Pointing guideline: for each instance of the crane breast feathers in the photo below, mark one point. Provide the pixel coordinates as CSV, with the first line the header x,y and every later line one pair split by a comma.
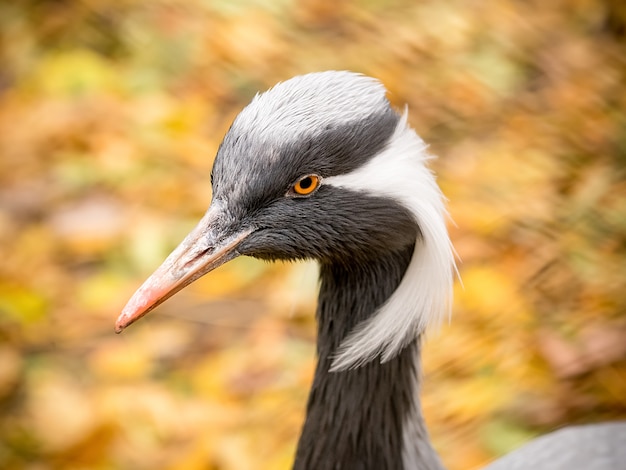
x,y
424,297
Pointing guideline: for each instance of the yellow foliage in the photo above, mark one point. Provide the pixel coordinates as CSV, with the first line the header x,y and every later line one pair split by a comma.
x,y
465,400
121,361
73,73
60,412
110,117
492,297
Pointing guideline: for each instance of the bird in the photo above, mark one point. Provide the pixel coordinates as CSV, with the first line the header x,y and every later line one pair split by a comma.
x,y
322,167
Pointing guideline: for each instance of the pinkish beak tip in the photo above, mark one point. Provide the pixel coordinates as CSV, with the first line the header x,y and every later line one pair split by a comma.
x,y
124,320
148,296
120,324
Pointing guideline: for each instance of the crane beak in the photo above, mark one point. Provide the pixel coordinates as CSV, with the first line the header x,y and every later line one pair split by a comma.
x,y
204,249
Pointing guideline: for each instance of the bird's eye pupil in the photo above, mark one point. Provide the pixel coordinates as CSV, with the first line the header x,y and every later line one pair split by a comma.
x,y
306,183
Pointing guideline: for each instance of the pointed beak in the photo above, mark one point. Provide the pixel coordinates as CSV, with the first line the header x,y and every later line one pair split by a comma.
x,y
205,248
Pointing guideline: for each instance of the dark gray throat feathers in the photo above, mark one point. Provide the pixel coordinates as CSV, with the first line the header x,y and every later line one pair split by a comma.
x,y
356,419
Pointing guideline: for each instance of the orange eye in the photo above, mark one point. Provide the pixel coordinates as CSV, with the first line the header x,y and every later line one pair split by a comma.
x,y
306,185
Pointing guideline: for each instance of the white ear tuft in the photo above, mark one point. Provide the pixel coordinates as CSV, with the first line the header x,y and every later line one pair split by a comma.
x,y
424,296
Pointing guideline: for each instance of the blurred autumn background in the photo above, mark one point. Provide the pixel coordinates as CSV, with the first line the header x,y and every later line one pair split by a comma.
x,y
110,115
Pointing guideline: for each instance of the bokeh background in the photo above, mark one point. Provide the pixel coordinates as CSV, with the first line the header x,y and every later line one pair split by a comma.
x,y
110,115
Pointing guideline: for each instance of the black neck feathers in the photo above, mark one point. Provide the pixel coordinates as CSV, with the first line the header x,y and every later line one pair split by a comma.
x,y
356,418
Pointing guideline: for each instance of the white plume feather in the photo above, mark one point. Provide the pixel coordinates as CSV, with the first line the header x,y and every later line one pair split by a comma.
x,y
425,293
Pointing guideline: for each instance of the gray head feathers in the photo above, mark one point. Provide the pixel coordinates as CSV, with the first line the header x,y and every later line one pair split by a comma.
x,y
341,127
309,104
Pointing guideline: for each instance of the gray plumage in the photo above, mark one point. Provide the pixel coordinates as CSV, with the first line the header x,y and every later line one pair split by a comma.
x,y
374,219
589,447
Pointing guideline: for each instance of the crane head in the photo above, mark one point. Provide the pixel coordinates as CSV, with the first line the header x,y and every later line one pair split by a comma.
x,y
318,167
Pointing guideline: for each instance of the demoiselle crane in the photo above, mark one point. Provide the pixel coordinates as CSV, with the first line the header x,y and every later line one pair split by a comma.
x,y
321,167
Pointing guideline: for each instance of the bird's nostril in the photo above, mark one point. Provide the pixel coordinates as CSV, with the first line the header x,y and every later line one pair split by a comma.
x,y
193,260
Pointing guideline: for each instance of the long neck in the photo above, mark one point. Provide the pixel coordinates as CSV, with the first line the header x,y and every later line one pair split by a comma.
x,y
368,417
